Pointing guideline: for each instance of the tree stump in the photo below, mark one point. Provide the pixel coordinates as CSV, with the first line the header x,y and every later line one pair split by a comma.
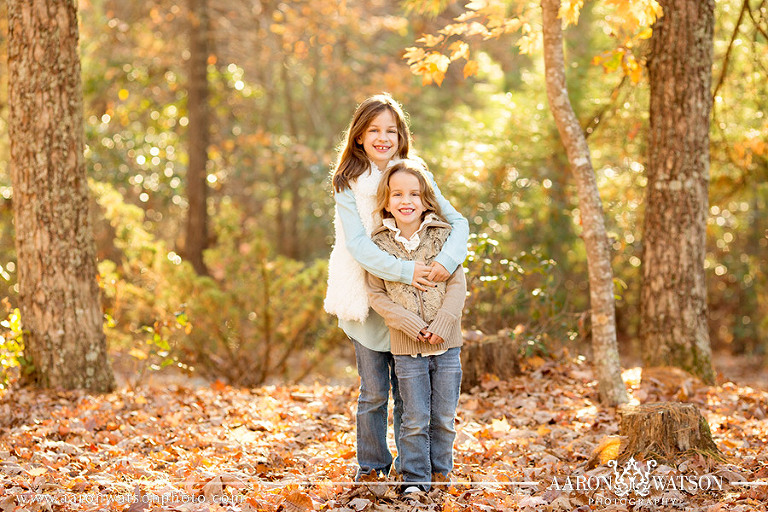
x,y
665,430
495,354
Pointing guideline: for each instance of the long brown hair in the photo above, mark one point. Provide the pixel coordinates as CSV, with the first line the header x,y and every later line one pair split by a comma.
x,y
416,168
353,161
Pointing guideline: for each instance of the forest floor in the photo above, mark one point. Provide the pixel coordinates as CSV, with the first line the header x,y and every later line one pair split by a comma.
x,y
195,446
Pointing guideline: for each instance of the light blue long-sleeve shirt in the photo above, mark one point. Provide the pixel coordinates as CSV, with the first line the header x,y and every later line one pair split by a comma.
x,y
373,332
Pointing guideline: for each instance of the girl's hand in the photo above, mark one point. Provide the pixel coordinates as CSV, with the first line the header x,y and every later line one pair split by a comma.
x,y
424,336
438,273
434,339
420,280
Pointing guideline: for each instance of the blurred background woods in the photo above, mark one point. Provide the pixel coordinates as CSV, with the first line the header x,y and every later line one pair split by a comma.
x,y
280,81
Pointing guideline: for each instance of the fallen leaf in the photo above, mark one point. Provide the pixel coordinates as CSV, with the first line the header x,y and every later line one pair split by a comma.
x,y
139,502
37,471
298,501
359,503
608,449
534,502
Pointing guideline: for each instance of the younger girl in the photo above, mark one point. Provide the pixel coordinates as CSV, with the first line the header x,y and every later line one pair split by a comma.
x,y
424,326
377,134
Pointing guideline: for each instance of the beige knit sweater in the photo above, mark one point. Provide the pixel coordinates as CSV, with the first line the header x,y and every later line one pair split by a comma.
x,y
405,309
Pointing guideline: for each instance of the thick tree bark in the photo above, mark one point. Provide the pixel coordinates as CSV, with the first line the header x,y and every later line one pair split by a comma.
x,y
59,294
603,311
674,296
199,136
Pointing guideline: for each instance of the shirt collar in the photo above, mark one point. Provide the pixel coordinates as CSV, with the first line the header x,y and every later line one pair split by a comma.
x,y
412,242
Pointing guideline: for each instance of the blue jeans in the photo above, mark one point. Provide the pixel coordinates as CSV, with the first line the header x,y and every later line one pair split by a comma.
x,y
430,387
377,373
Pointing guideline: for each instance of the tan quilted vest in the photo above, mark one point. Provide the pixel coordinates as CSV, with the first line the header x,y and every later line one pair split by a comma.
x,y
427,303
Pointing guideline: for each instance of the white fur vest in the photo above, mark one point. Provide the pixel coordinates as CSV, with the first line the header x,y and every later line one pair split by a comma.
x,y
347,297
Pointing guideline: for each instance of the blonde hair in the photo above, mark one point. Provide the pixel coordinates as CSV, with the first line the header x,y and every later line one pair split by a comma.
x,y
415,168
353,161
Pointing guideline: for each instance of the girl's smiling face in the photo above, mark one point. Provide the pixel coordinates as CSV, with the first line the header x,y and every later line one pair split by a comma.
x,y
380,139
405,202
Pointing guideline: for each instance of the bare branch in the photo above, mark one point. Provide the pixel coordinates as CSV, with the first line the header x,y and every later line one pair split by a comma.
x,y
595,119
755,22
744,9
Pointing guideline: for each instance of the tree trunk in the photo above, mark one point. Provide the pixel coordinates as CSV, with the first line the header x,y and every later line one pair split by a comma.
x,y
199,135
665,430
59,294
496,355
290,199
603,312
673,306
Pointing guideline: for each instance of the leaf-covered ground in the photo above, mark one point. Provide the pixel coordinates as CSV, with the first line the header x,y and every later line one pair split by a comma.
x,y
188,447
